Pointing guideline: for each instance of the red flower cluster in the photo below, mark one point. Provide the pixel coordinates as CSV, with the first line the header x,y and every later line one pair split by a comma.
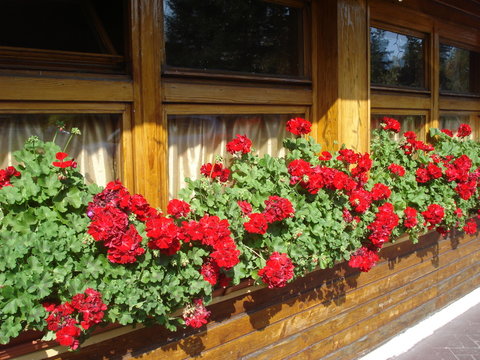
x,y
412,144
381,228
241,144
245,207
397,169
432,171
325,156
178,208
433,215
196,314
63,319
213,232
390,124
298,126
63,164
410,219
364,259
380,192
277,271
447,132
360,200
110,212
215,171
164,235
6,175
470,227
464,130
277,209
257,224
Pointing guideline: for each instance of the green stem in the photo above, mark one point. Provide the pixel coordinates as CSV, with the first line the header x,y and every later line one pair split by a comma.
x,y
68,142
253,251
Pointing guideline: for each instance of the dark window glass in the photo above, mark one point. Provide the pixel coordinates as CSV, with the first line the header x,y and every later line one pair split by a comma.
x,y
251,36
396,59
66,25
413,123
459,70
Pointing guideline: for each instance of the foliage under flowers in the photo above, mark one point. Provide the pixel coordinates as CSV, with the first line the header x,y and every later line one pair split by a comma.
x,y
76,256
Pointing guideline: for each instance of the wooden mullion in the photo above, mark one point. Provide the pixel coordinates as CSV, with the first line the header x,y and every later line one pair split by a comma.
x,y
149,131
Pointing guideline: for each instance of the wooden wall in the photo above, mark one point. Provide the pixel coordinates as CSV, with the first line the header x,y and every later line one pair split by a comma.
x,y
329,314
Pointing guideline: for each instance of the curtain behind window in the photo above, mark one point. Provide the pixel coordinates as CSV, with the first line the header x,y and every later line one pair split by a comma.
x,y
95,151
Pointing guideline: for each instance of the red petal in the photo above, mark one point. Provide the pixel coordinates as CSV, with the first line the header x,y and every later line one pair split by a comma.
x,y
61,155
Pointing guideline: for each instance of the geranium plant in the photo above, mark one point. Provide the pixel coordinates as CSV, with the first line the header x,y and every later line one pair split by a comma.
x,y
77,256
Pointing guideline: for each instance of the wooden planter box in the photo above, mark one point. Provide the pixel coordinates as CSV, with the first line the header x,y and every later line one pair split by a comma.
x,y
330,314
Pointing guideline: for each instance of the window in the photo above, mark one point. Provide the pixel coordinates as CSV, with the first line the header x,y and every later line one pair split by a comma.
x,y
72,35
250,36
408,122
96,151
231,67
452,120
459,70
196,139
397,59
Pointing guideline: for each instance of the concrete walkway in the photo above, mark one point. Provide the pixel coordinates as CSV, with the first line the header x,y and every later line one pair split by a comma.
x,y
457,340
453,333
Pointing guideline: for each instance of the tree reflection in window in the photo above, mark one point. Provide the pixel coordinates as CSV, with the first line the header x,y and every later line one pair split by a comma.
x,y
250,36
396,59
459,70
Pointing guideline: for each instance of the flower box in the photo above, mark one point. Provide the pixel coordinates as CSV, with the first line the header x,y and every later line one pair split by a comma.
x,y
337,313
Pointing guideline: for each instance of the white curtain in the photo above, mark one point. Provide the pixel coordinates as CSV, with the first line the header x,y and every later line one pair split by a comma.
x,y
95,151
196,139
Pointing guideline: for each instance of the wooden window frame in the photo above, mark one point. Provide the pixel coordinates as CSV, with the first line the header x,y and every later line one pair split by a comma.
x,y
437,30
426,63
234,76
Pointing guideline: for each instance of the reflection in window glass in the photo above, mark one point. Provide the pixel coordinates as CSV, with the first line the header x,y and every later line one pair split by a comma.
x,y
407,122
252,36
67,25
396,59
453,121
458,70
197,139
95,151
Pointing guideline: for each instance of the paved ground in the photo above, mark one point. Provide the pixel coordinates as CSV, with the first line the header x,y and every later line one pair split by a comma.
x,y
457,340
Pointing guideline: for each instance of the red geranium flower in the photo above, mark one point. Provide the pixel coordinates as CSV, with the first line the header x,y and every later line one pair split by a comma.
x,y
364,259
434,214
245,207
380,192
196,315
298,126
257,224
241,144
390,124
277,209
470,227
277,271
464,130
63,164
178,208
397,169
410,217
447,132
215,171
325,156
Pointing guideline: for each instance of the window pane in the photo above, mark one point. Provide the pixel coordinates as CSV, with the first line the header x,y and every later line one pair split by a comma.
x,y
453,121
250,36
96,150
67,25
396,59
458,70
408,123
196,139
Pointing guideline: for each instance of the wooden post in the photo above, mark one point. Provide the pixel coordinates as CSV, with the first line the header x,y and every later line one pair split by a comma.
x,y
341,90
149,130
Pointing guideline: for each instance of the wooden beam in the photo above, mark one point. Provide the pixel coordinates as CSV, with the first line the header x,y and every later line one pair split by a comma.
x,y
57,88
149,127
342,88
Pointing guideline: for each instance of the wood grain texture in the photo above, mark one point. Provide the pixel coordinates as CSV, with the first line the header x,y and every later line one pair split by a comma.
x,y
64,89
